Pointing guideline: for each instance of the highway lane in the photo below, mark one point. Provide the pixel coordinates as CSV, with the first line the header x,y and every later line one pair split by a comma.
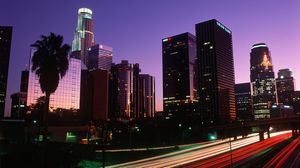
x,y
193,154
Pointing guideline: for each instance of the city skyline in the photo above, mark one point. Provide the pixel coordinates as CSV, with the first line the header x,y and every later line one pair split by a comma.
x,y
140,41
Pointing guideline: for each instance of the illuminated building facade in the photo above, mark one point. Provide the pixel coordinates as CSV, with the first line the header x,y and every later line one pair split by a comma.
x,y
100,57
263,81
67,94
18,105
216,72
83,36
179,79
243,97
125,78
146,95
285,87
5,45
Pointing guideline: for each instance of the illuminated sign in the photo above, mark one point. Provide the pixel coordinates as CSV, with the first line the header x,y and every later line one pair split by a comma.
x,y
223,27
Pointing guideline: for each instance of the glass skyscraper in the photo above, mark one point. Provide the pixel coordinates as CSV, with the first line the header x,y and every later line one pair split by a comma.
x,y
83,36
263,80
216,72
5,45
100,57
67,94
146,95
179,79
243,96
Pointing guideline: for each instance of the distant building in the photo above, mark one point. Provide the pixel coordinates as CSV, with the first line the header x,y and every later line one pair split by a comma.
x,y
83,36
124,77
100,57
179,75
282,111
296,102
24,81
285,87
243,96
146,95
263,81
67,94
18,105
5,46
216,72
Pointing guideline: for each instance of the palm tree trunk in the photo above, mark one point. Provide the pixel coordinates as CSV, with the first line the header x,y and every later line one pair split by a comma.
x,y
45,117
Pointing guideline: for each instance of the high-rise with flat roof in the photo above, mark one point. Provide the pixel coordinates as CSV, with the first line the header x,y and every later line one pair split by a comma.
x,y
5,45
100,57
216,72
243,97
83,36
285,87
179,75
146,95
263,80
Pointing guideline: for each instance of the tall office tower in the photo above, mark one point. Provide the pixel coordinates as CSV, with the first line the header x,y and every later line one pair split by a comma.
x,y
285,87
263,81
18,105
123,75
83,36
67,94
243,97
296,102
100,57
146,95
216,72
179,79
24,81
5,45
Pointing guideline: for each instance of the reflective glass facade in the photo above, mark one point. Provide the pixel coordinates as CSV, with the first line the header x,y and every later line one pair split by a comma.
x,y
83,36
146,95
179,79
263,81
5,45
216,72
100,57
67,94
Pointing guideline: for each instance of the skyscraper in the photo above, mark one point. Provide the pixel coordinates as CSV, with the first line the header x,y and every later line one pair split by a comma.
x,y
123,75
100,57
179,79
296,102
83,36
263,81
67,94
243,97
285,87
146,95
216,72
5,45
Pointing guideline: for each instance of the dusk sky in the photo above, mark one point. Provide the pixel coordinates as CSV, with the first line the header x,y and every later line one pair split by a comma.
x,y
135,28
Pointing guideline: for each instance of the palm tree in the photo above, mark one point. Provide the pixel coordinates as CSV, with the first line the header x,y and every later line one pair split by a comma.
x,y
50,63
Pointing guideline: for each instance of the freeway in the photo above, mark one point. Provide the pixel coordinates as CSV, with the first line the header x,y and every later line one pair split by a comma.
x,y
201,152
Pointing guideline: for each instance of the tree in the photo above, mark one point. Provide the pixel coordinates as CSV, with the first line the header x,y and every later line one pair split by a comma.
x,y
50,63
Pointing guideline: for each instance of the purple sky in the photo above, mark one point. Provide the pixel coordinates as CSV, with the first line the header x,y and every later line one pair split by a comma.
x,y
134,28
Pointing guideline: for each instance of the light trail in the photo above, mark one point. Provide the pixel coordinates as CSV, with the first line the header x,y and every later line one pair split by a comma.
x,y
193,154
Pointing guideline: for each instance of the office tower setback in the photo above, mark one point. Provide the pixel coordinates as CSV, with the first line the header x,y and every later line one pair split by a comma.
x,y
146,95
243,97
285,87
83,36
263,81
216,72
124,75
67,94
179,79
100,57
5,45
